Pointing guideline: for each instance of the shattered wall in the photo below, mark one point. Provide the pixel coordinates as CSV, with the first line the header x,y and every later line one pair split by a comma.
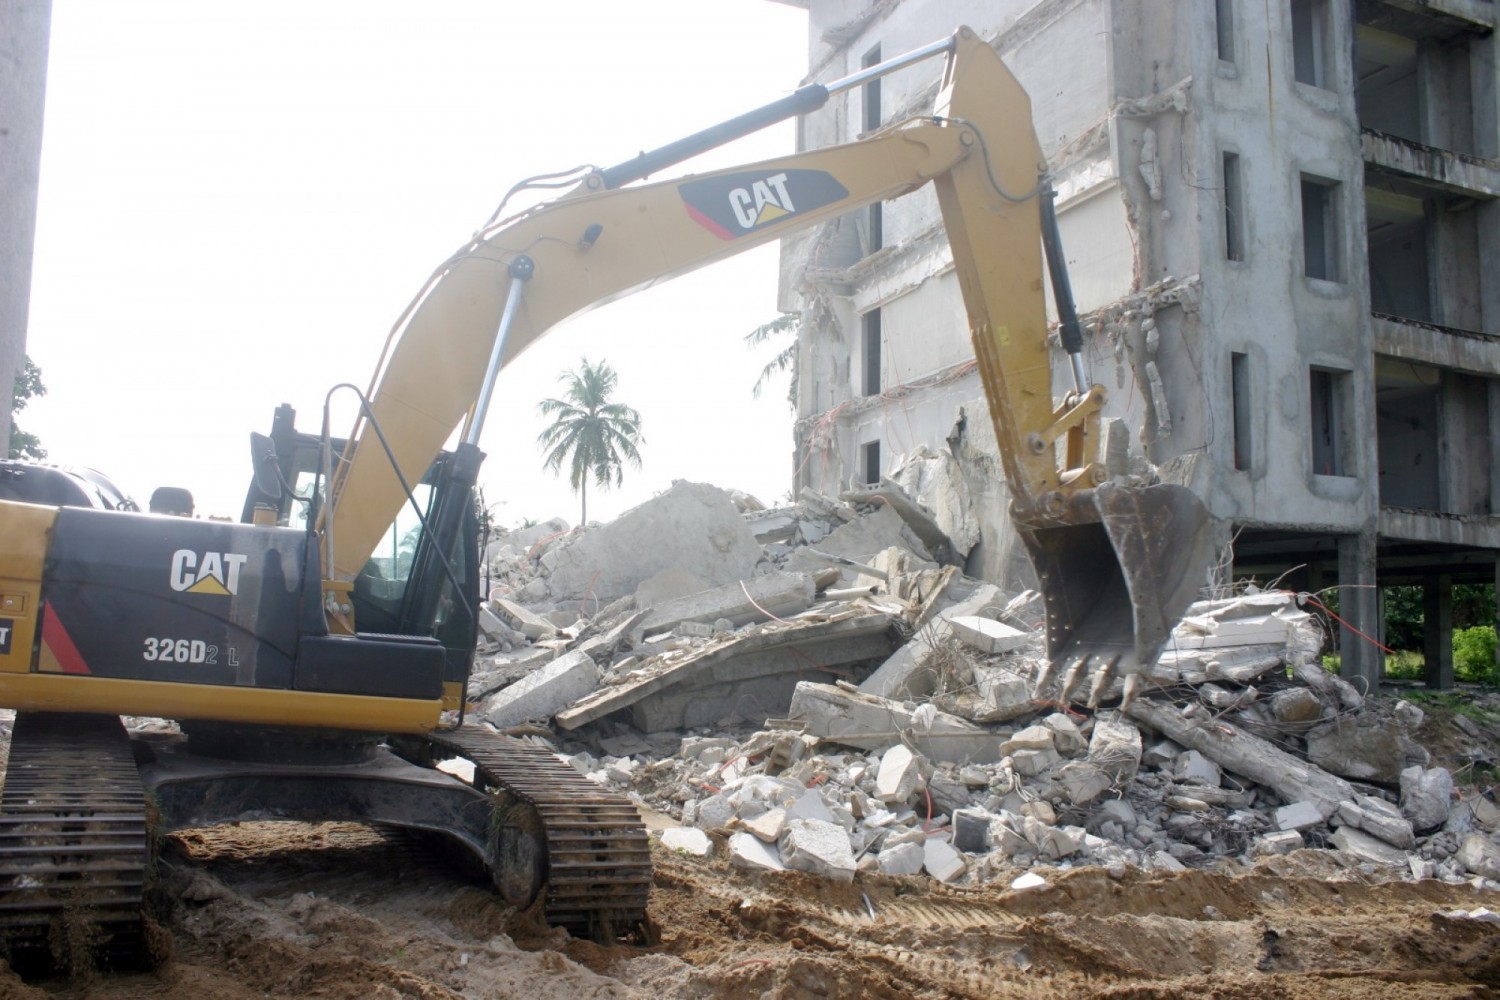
x,y
1212,182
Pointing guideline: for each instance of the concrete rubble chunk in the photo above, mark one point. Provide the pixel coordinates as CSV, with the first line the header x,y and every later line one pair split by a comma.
x,y
1480,855
899,776
998,694
1296,704
819,847
1364,748
740,602
1032,762
745,851
1247,755
1299,816
768,826
902,675
1378,818
872,723
988,635
688,840
810,805
532,626
971,830
1195,769
1030,738
1029,881
902,859
1066,737
1363,845
1280,842
542,693
1426,796
942,861
1115,747
692,526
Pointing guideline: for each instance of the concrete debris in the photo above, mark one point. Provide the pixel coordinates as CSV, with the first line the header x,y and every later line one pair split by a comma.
x,y
542,693
807,688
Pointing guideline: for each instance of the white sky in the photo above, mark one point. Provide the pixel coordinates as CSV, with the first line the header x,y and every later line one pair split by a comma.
x,y
239,198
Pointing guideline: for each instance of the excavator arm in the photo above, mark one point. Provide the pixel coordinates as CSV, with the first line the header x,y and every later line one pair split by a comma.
x,y
518,279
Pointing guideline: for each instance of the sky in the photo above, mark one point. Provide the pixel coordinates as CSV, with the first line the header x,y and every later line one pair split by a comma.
x,y
239,198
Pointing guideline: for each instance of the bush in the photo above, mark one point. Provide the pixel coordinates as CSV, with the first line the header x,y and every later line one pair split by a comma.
x,y
1474,654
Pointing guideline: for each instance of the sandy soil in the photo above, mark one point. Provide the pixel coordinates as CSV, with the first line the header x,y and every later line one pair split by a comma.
x,y
338,911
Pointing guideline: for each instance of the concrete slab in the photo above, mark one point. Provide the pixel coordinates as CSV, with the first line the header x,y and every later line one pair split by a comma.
x,y
1363,845
987,635
745,851
752,656
687,840
942,861
870,723
819,847
902,676
692,526
755,599
902,859
543,693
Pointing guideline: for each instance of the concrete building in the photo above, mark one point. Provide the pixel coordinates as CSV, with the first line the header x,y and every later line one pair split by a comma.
x,y
24,30
1282,228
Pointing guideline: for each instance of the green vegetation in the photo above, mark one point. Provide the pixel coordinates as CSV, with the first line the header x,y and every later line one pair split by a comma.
x,y
593,435
1474,654
28,385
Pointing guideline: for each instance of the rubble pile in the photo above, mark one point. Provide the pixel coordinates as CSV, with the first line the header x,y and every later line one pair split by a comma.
x,y
819,688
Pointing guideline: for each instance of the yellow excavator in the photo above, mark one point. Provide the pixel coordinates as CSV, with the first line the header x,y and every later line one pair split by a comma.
x,y
316,653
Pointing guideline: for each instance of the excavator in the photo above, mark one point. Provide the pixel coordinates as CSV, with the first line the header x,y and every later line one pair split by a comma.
x,y
315,654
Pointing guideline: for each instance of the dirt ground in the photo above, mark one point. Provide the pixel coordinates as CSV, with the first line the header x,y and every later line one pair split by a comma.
x,y
347,913
344,912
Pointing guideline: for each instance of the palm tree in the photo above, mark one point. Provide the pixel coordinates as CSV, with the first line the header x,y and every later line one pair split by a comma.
x,y
786,356
594,436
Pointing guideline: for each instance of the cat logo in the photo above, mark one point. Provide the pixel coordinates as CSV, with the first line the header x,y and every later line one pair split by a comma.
x,y
207,572
739,203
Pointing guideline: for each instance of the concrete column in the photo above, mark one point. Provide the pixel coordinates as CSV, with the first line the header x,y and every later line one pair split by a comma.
x,y
1359,606
24,29
1437,631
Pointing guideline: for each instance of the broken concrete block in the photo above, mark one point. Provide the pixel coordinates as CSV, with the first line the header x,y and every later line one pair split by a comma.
x,y
751,599
768,826
810,805
1280,842
1408,715
1380,819
714,812
1298,816
1296,704
988,635
688,840
899,776
542,693
859,540
1363,845
1083,782
902,859
1116,747
1066,738
815,846
1030,763
1029,881
971,830
941,860
532,626
1195,769
692,526
902,675
1364,748
1030,738
1480,856
872,723
1161,754
668,585
1426,796
997,695
745,851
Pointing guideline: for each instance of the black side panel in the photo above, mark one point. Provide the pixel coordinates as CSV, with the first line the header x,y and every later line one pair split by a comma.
x,y
152,597
385,666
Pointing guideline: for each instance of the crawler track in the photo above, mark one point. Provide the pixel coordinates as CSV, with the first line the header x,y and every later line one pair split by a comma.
x,y
74,846
598,859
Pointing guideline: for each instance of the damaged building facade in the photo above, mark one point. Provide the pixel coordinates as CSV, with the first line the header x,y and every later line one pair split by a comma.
x,y
1282,232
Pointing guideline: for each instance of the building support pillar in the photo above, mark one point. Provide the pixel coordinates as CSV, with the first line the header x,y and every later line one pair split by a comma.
x,y
1437,631
1359,606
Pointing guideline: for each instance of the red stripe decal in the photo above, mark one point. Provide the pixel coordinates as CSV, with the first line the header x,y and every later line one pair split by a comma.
x,y
708,223
55,637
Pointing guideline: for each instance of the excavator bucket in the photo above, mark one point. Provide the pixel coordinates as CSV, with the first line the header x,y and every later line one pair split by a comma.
x,y
1117,580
